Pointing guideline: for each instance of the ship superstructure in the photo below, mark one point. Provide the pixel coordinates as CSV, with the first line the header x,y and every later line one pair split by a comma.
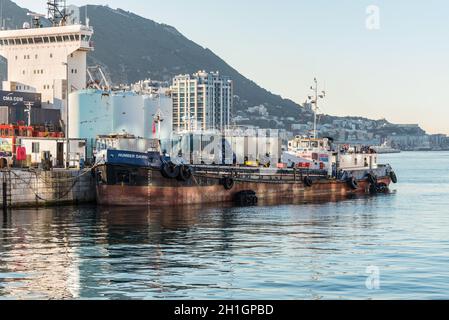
x,y
47,60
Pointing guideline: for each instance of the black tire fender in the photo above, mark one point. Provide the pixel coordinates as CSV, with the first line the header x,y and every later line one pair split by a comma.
x,y
308,182
372,188
371,178
352,182
170,170
228,183
185,173
393,177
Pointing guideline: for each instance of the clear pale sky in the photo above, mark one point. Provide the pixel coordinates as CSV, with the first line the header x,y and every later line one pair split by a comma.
x,y
399,71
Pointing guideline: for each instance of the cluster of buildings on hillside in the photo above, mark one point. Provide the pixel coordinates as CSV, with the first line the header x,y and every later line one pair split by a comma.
x,y
351,130
406,137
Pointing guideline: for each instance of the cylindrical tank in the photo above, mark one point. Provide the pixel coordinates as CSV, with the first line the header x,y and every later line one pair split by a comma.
x,y
128,114
90,115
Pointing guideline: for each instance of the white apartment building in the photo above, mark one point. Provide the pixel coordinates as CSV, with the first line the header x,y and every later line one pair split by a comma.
x,y
47,60
201,102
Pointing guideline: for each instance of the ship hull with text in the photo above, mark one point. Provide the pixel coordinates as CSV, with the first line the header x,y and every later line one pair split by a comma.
x,y
126,182
159,192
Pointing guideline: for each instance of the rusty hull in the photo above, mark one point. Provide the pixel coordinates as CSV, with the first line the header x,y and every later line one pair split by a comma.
x,y
162,192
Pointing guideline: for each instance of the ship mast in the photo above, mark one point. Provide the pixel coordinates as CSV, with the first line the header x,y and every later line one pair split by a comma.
x,y
57,12
315,100
1,15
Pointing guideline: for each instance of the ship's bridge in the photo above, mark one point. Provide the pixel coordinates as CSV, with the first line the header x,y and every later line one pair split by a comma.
x,y
48,60
76,36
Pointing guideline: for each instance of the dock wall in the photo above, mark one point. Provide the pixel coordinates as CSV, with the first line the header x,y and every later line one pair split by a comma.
x,y
34,188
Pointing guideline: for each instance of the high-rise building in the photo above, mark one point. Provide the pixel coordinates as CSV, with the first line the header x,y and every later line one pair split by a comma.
x,y
47,60
201,102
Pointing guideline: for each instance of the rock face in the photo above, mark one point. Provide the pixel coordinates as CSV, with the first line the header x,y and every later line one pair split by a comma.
x,y
132,48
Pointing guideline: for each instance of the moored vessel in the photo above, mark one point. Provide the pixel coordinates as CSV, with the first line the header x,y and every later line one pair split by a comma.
x,y
385,148
314,169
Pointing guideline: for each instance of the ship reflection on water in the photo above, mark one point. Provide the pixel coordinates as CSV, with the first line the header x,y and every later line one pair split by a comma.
x,y
83,252
314,250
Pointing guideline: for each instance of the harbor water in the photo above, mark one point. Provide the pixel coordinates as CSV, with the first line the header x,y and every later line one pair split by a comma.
x,y
393,246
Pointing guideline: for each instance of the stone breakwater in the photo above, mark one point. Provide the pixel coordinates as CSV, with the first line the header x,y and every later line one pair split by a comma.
x,y
36,188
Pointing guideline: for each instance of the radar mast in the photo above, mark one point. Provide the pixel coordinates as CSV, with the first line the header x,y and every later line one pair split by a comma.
x,y
57,12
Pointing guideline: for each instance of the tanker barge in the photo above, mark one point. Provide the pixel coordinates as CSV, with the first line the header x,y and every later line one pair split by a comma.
x,y
310,170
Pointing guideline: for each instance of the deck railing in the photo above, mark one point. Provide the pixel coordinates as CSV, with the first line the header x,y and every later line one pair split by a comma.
x,y
258,174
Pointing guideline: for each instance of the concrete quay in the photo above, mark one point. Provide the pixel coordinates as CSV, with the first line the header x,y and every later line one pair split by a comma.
x,y
37,188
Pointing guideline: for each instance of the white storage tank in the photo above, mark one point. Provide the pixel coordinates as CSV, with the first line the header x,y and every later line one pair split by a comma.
x,y
128,114
90,114
94,113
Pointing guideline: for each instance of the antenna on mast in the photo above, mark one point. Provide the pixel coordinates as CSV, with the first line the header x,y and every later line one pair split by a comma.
x,y
87,17
36,19
1,15
316,98
57,12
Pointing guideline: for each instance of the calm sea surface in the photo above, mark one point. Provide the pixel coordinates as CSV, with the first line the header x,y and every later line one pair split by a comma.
x,y
392,246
